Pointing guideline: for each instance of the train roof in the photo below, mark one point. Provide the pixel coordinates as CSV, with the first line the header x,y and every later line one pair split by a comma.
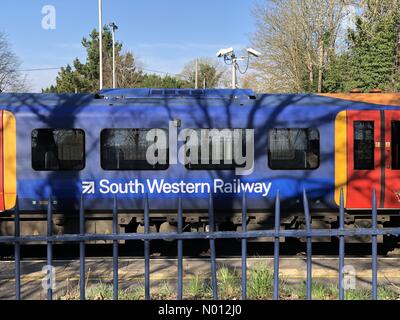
x,y
192,97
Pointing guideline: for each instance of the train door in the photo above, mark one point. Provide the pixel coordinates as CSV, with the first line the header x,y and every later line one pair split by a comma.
x,y
364,158
8,162
392,159
372,159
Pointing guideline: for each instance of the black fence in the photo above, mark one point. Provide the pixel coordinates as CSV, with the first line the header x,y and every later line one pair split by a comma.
x,y
211,235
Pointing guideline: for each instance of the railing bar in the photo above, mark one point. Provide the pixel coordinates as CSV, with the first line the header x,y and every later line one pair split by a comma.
x,y
82,268
17,251
49,250
146,249
180,250
374,248
341,246
212,248
309,246
276,246
244,248
204,235
301,233
115,250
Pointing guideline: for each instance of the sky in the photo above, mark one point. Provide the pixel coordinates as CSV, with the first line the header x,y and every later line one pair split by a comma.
x,y
163,34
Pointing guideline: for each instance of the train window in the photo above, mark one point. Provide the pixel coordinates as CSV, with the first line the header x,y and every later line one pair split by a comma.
x,y
395,145
58,149
293,149
215,149
126,149
364,158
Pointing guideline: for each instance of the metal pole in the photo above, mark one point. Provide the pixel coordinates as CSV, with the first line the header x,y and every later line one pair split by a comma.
x,y
341,246
374,248
101,43
113,40
50,279
115,250
180,250
196,81
82,268
244,248
234,61
276,245
17,252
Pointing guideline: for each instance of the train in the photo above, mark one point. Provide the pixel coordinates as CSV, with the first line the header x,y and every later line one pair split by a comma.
x,y
131,143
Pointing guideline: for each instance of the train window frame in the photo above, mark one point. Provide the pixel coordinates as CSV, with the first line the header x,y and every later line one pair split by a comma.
x,y
356,162
83,161
214,167
165,166
275,168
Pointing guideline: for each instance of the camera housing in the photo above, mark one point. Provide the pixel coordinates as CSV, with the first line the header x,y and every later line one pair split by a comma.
x,y
224,52
253,52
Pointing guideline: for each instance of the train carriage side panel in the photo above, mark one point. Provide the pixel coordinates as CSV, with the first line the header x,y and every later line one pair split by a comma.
x,y
265,113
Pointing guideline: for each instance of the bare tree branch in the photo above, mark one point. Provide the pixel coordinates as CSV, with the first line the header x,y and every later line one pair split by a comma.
x,y
296,39
10,78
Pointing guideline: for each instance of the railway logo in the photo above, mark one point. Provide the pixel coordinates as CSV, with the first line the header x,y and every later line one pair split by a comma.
x,y
155,186
88,187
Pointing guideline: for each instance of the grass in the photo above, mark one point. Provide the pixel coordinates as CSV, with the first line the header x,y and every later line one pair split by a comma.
x,y
260,284
197,289
259,287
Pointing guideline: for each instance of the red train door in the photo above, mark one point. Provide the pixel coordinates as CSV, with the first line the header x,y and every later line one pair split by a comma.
x,y
392,159
364,158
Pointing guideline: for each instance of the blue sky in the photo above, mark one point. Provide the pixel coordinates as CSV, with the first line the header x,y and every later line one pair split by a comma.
x,y
163,34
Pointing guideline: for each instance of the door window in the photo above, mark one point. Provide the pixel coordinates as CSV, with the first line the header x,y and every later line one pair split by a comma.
x,y
395,145
364,145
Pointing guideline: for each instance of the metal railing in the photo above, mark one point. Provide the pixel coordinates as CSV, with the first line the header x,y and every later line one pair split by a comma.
x,y
211,235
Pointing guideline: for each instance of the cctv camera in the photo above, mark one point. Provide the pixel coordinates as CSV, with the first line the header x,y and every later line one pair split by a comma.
x,y
224,52
253,52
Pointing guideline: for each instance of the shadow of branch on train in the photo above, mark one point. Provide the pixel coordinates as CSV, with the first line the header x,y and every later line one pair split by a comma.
x,y
46,111
262,114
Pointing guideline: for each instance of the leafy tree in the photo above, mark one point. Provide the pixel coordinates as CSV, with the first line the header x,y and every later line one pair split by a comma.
x,y
338,76
84,77
155,81
210,73
372,58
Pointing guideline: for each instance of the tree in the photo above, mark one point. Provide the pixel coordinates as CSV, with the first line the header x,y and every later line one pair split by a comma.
x,y
155,81
10,78
297,39
371,60
210,73
84,77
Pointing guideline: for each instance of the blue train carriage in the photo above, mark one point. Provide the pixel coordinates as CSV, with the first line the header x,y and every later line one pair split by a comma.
x,y
62,146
